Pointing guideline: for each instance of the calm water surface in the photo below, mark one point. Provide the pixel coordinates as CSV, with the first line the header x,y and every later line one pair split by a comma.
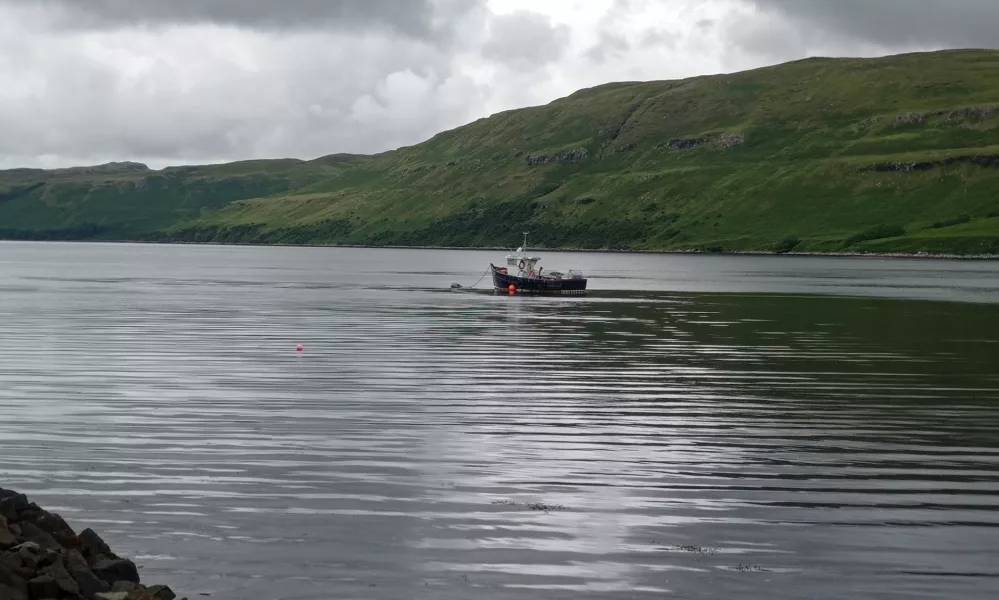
x,y
696,427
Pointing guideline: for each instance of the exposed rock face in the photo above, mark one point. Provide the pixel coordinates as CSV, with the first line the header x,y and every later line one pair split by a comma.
x,y
867,123
728,140
572,156
982,160
721,141
42,558
910,118
975,113
970,114
568,156
685,144
890,167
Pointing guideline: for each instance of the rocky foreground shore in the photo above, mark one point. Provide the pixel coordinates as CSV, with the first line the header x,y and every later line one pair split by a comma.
x,y
42,558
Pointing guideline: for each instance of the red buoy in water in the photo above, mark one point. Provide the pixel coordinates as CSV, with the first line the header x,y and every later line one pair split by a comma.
x,y
512,288
300,348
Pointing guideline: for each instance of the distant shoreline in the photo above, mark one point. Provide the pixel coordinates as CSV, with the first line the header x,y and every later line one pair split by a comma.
x,y
879,255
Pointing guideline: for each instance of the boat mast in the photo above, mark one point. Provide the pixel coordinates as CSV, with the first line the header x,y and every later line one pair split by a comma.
x,y
525,242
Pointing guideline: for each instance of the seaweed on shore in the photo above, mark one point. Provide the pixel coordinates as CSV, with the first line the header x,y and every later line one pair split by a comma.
x,y
535,506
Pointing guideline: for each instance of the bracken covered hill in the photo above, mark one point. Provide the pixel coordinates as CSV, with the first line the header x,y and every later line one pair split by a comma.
x,y
888,154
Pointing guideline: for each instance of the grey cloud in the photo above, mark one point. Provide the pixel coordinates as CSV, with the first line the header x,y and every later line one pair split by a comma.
x,y
657,38
413,17
191,95
770,36
609,44
948,23
525,40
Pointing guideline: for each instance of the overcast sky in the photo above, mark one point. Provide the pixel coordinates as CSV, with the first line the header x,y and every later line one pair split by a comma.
x,y
194,81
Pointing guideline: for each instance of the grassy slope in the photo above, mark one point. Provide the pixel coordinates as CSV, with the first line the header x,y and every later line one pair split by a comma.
x,y
115,203
786,159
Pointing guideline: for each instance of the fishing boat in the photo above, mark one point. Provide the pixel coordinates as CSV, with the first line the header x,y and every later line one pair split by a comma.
x,y
523,275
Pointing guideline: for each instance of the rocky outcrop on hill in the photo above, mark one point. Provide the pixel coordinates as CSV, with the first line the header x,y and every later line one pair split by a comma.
x,y
974,113
728,140
723,141
568,156
42,558
868,123
904,167
910,118
683,144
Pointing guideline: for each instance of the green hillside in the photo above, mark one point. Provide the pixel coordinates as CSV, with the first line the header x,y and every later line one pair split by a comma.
x,y
895,154
129,201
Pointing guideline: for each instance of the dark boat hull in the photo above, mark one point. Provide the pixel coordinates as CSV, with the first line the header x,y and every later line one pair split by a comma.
x,y
537,285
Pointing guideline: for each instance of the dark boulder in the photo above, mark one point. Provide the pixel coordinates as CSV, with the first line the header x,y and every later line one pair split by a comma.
x,y
9,593
48,557
43,586
55,525
89,583
65,581
114,570
12,585
91,544
12,563
28,553
32,533
75,560
125,586
42,558
13,504
7,538
161,592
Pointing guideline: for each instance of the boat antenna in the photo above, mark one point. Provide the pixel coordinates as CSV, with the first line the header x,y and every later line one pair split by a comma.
x,y
525,240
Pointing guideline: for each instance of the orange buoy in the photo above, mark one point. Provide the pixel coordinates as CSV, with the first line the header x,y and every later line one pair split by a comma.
x,y
512,288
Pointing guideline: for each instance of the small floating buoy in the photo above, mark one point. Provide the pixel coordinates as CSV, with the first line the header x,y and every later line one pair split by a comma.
x,y
513,289
300,348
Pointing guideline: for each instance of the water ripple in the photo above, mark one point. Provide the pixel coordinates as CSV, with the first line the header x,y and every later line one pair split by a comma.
x,y
453,445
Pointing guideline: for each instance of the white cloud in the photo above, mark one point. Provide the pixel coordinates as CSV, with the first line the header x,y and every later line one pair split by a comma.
x,y
218,80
